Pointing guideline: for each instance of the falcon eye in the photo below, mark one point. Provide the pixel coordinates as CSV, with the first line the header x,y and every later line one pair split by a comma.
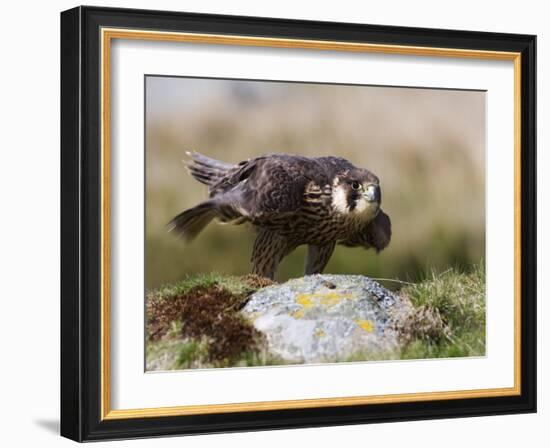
x,y
355,185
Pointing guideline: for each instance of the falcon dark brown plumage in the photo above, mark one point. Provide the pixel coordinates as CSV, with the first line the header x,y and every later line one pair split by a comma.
x,y
290,200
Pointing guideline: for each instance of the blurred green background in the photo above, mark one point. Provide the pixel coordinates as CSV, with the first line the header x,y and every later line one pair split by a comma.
x,y
427,146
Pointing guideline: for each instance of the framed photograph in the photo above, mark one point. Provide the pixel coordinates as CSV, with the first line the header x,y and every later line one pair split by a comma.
x,y
273,223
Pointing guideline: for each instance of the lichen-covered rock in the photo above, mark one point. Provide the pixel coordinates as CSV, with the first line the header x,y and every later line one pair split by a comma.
x,y
326,318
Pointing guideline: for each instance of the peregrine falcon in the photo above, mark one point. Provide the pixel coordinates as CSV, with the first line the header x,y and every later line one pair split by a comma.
x,y
290,200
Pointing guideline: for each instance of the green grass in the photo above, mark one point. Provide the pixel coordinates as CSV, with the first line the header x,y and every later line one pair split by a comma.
x,y
449,319
446,319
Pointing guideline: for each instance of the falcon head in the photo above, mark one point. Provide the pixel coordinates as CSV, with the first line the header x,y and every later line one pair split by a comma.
x,y
357,193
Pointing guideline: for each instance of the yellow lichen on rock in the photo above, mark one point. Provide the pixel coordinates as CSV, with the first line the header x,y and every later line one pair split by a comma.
x,y
319,333
307,300
365,325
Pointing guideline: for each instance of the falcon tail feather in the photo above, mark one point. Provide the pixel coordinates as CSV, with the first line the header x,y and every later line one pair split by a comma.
x,y
190,223
206,170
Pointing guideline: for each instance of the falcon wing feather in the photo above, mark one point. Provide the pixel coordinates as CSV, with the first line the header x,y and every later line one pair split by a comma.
x,y
272,184
376,234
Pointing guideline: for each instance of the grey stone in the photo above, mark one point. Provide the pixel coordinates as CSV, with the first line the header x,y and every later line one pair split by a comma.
x,y
326,318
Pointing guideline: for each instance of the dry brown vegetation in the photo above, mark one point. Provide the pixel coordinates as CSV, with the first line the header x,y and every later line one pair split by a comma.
x,y
200,320
206,313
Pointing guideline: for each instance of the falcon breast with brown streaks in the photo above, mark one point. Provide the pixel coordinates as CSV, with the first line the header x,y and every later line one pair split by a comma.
x,y
290,200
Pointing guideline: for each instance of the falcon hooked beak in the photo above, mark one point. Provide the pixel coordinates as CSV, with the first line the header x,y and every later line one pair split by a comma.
x,y
372,193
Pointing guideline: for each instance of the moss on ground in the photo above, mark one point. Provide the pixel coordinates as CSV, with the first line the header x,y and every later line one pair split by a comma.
x,y
196,323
